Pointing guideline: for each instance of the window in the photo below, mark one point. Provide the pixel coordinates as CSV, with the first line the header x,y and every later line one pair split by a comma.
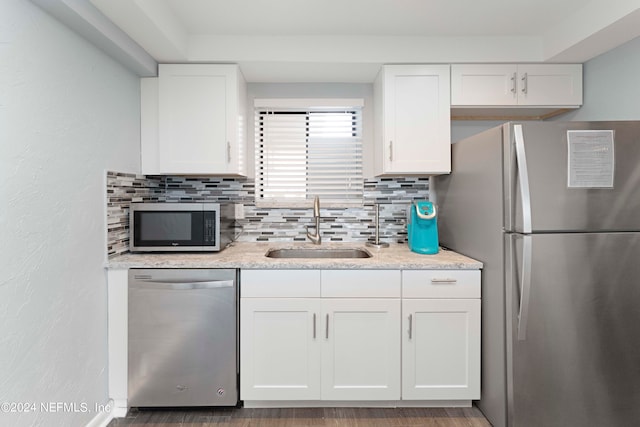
x,y
308,148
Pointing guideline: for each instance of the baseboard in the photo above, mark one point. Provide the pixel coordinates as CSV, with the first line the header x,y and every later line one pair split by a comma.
x,y
357,404
103,418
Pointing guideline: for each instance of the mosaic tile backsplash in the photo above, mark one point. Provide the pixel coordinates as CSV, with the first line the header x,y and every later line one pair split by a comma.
x,y
266,224
122,189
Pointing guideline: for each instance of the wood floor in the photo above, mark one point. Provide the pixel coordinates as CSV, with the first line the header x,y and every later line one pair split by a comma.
x,y
306,417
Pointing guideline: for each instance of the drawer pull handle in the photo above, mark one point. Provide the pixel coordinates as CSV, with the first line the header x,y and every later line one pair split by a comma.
x,y
410,327
443,281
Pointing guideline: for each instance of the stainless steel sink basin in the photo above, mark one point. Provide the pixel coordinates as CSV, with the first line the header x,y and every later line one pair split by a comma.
x,y
318,253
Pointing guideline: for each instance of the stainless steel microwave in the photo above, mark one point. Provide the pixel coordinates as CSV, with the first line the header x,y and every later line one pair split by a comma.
x,y
180,227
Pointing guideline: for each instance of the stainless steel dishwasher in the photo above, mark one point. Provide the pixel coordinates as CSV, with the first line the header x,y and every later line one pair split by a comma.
x,y
182,337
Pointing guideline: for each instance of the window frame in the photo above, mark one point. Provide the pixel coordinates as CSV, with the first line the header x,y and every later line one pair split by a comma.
x,y
262,107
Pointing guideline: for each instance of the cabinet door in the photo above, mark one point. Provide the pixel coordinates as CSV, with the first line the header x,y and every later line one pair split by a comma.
x,y
361,349
550,84
479,84
280,349
196,117
416,110
441,349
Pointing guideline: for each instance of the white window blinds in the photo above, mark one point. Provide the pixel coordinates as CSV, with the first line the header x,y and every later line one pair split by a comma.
x,y
307,152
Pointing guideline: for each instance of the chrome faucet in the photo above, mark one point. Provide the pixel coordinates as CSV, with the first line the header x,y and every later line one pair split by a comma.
x,y
315,238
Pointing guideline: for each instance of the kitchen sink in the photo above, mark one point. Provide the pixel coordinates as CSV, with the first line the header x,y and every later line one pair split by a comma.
x,y
318,253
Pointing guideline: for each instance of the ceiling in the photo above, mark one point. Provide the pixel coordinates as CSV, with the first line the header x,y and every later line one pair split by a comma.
x,y
347,40
369,17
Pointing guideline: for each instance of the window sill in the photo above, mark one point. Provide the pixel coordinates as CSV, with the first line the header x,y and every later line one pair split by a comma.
x,y
308,204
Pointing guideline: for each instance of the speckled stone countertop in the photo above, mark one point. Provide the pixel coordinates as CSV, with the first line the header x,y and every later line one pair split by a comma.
x,y
249,255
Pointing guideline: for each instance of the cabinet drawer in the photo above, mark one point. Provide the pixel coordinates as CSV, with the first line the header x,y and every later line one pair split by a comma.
x,y
441,284
280,283
361,283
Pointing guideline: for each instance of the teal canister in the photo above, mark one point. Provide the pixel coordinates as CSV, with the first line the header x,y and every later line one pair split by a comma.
x,y
422,227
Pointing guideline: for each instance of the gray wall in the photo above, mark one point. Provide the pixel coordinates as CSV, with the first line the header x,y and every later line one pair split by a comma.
x,y
611,85
67,113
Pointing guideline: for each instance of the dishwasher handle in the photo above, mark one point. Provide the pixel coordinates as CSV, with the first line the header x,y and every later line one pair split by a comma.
x,y
181,286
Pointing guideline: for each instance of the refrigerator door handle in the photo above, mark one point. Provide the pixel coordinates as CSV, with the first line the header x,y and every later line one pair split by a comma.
x,y
523,177
523,311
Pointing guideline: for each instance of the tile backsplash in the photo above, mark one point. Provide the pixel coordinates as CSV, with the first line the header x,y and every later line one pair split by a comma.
x,y
266,224
122,189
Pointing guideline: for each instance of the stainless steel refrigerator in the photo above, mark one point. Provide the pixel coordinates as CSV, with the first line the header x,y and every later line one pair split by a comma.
x,y
552,209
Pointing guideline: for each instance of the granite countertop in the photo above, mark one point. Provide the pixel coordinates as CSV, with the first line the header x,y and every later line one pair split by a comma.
x,y
249,255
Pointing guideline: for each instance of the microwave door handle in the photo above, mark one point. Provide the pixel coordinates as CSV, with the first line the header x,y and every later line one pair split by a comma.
x,y
182,286
210,226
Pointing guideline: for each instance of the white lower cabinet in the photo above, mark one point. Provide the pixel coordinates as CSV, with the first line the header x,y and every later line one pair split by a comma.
x,y
280,345
330,345
347,335
441,335
441,349
360,351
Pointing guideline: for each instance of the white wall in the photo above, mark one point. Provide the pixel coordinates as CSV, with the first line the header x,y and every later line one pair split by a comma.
x,y
611,89
67,112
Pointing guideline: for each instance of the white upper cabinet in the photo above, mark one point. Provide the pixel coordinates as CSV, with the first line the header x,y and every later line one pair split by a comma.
x,y
530,85
484,84
550,84
201,120
412,120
